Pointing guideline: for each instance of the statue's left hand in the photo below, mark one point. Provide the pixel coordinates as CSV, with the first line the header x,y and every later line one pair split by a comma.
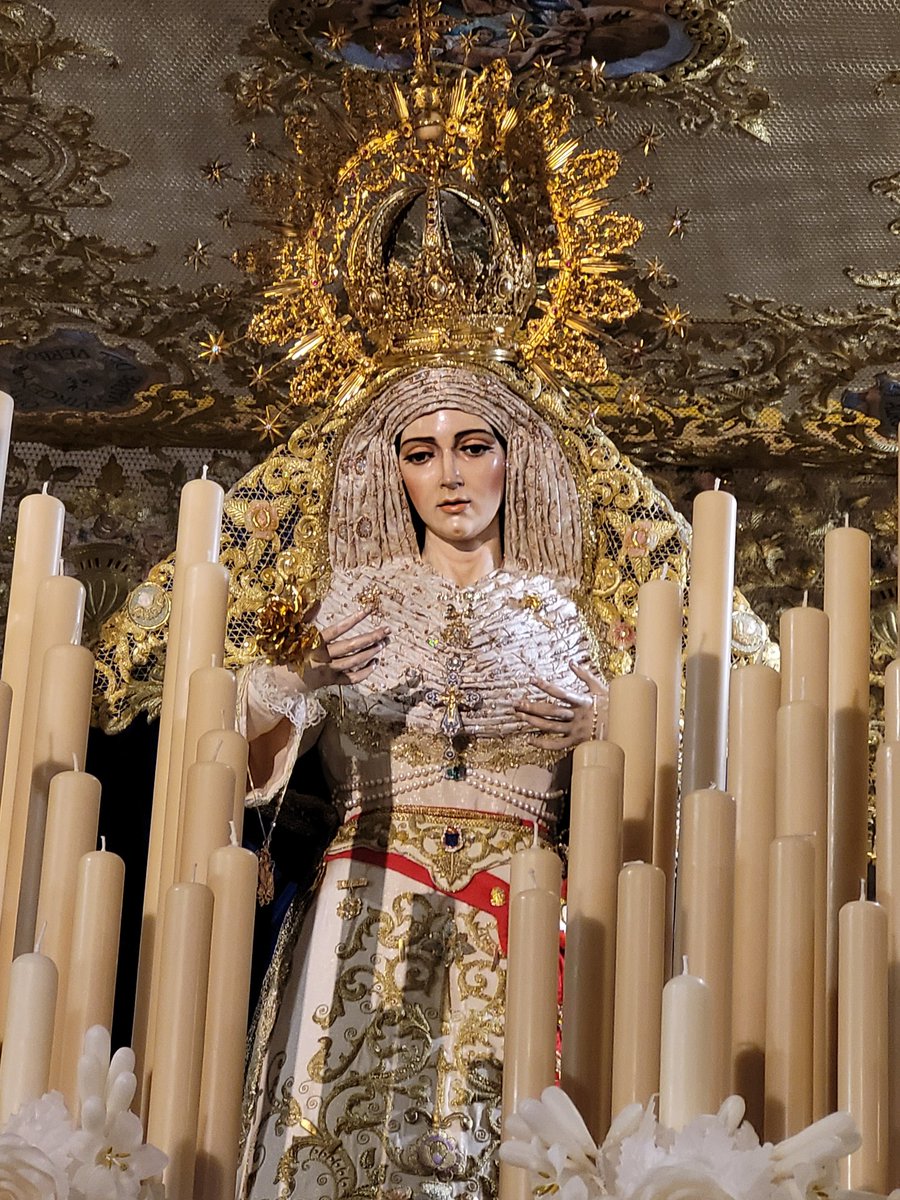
x,y
568,718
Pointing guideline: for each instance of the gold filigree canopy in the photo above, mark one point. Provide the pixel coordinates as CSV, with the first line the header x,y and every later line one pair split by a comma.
x,y
373,268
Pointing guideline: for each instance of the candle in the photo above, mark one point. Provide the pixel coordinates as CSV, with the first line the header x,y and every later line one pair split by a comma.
x,y
28,1033
704,914
862,1044
632,725
532,989
73,813
847,582
801,806
93,954
789,997
595,858
892,701
232,878
887,879
200,640
59,611
178,1045
6,419
212,699
60,742
208,806
197,541
38,546
687,1083
753,707
803,638
658,656
228,746
640,950
708,659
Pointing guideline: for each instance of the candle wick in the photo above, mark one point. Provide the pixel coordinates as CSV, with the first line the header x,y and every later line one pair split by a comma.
x,y
194,874
805,597
533,878
846,520
45,490
61,566
684,965
205,471
219,745
103,842
74,762
212,660
534,834
232,833
40,938
717,484
665,571
862,889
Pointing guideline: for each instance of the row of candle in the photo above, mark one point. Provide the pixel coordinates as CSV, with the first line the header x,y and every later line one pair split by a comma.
x,y
201,885
789,983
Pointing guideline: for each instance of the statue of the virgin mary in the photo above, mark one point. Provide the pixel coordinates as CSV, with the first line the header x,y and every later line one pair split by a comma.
x,y
430,584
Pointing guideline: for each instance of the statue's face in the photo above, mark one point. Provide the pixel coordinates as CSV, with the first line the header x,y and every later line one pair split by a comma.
x,y
454,468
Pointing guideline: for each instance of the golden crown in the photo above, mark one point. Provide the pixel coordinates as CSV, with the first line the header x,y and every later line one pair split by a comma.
x,y
446,218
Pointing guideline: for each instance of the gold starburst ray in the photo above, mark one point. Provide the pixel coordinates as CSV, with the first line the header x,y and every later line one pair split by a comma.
x,y
561,153
588,206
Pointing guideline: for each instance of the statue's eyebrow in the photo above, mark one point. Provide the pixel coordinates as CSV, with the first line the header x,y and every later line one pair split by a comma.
x,y
456,437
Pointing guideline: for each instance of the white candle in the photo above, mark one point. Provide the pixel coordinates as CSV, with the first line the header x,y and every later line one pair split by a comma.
x,y
28,1034
687,1083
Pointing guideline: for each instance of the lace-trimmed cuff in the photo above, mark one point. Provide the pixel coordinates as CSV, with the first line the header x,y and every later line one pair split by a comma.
x,y
260,690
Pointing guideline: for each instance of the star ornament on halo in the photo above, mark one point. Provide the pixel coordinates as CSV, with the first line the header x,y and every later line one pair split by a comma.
x,y
271,423
674,319
214,346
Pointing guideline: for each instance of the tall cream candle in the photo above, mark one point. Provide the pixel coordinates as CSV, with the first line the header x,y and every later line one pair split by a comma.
x,y
640,950
801,808
58,617
232,879
708,657
208,806
212,699
892,701
847,602
687,1079
595,858
228,746
632,725
803,639
704,913
532,987
887,879
789,1003
658,656
200,641
862,1042
178,1047
751,780
73,814
28,1034
197,541
60,743
93,954
6,420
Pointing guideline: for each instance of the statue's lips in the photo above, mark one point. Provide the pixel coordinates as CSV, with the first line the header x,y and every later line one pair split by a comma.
x,y
454,506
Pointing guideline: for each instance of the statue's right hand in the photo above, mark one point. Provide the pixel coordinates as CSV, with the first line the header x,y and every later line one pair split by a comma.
x,y
339,659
